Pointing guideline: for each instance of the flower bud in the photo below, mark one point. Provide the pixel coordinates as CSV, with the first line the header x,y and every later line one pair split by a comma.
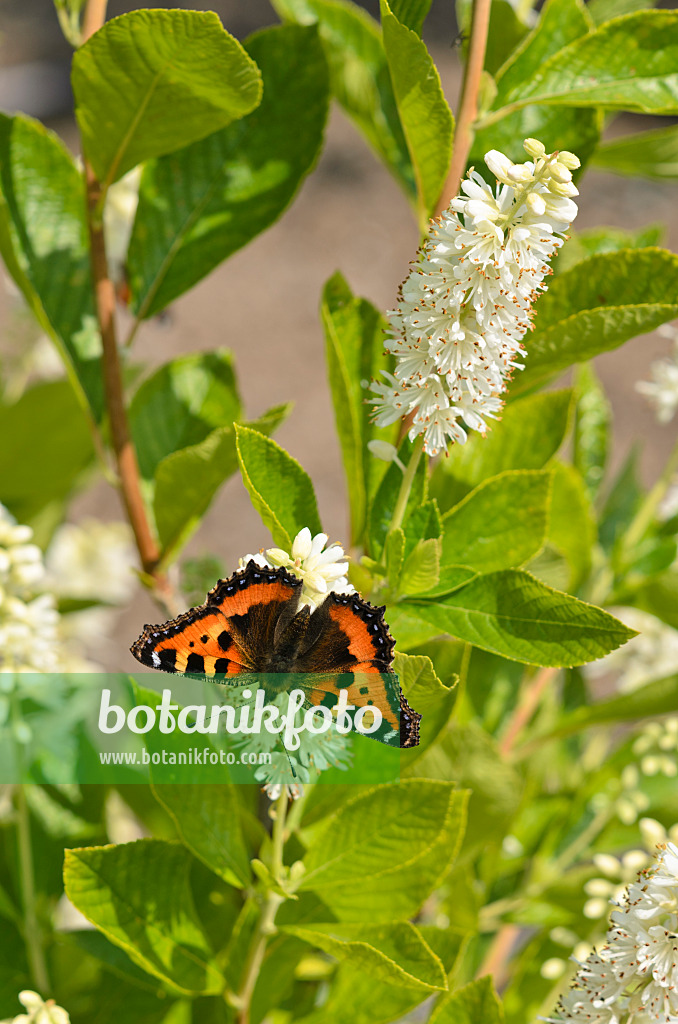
x,y
536,203
534,148
569,160
277,556
499,164
563,188
521,174
559,172
383,450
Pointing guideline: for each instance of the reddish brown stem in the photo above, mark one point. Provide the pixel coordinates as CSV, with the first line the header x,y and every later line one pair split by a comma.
x,y
498,955
526,708
93,18
468,104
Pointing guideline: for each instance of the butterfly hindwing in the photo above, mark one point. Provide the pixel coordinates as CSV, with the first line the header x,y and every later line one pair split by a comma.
x,y
368,689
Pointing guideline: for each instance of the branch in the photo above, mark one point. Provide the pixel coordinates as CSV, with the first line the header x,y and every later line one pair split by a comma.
x,y
93,19
468,105
525,709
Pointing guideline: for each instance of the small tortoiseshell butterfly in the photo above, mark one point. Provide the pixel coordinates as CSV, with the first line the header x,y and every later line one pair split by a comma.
x,y
251,623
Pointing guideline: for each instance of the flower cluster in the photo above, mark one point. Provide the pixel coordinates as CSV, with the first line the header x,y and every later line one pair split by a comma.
x,y
321,569
38,1011
633,977
662,390
467,303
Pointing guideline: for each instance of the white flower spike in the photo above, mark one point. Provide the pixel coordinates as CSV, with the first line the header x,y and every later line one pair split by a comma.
x,y
466,305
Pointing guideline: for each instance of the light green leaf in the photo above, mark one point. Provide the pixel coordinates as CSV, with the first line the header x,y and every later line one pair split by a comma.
x,y
471,1004
187,480
393,952
393,556
208,822
597,306
530,432
138,895
429,696
591,429
152,81
45,247
572,524
280,490
659,596
604,10
628,64
371,837
354,350
359,76
583,244
513,614
499,525
50,447
200,205
181,403
424,113
652,154
411,13
421,571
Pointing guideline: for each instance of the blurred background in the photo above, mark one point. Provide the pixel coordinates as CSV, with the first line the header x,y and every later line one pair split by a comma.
x,y
263,302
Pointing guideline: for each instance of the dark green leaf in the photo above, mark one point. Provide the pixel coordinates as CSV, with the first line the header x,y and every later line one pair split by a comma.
x,y
622,503
513,614
280,490
572,128
597,306
152,81
530,433
424,113
505,32
181,403
651,155
138,895
411,13
44,243
499,525
200,205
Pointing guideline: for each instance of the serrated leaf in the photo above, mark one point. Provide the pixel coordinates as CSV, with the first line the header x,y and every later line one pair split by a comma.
x,y
187,480
429,696
45,247
530,433
628,64
499,525
371,837
138,895
354,351
604,10
359,76
393,952
152,81
471,1004
597,306
280,490
424,112
421,570
208,822
513,614
181,403
652,155
411,13
201,204
583,244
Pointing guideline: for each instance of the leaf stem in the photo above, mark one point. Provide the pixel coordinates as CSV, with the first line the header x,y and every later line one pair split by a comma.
x,y
406,485
266,924
468,104
31,925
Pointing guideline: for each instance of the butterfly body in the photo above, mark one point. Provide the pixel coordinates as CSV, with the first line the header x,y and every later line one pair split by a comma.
x,y
251,624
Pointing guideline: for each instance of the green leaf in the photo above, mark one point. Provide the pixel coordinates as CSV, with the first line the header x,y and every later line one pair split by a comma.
x,y
150,82
499,525
280,490
371,837
421,571
572,128
187,480
628,64
427,695
45,247
469,1005
411,13
394,952
208,822
50,447
359,76
138,895
583,244
513,614
591,428
659,596
181,403
572,524
424,113
652,155
597,306
394,549
200,205
530,432
354,350
604,10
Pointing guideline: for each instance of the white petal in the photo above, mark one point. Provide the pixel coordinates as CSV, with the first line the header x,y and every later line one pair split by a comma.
x,y
301,546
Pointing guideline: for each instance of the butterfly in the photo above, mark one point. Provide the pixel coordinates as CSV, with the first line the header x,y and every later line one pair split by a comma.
x,y
252,623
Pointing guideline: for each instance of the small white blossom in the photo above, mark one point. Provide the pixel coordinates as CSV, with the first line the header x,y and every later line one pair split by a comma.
x,y
467,303
39,1011
92,560
321,569
661,390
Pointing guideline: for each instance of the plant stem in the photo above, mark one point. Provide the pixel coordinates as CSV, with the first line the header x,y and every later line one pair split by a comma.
x,y
406,485
647,510
458,711
32,930
468,104
499,953
266,924
93,19
526,708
